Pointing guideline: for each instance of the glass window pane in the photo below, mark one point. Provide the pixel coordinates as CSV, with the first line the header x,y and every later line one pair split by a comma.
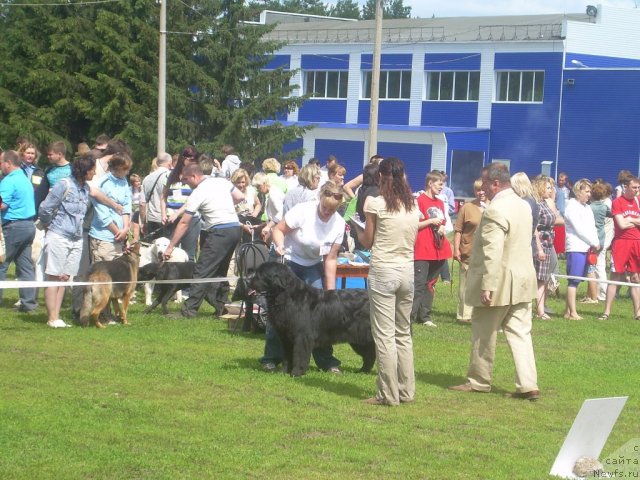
x,y
382,91
321,84
461,85
309,84
393,87
344,84
446,85
405,87
514,87
503,83
474,85
366,85
527,87
538,89
434,86
332,84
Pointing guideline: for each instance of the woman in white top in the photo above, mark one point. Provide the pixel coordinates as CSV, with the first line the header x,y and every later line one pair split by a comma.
x,y
580,237
309,237
248,209
273,204
290,174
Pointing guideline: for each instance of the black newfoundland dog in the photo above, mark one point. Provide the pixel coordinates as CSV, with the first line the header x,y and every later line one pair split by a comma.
x,y
305,317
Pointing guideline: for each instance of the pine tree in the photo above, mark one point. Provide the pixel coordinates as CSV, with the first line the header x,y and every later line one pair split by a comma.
x,y
390,9
73,72
345,9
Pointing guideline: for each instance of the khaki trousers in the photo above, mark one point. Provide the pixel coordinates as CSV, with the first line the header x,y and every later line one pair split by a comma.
x,y
515,320
391,298
464,310
103,251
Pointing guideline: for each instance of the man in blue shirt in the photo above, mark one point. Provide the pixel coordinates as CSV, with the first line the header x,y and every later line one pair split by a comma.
x,y
17,212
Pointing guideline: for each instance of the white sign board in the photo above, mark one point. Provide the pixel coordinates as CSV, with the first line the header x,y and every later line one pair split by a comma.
x,y
588,434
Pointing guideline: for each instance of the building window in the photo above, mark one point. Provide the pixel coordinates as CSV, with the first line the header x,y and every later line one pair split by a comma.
x,y
520,86
393,84
453,86
331,84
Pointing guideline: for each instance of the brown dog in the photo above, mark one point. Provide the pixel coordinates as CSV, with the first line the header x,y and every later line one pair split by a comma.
x,y
124,271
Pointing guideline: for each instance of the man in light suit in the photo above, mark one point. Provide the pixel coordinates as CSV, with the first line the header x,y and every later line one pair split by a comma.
x,y
501,282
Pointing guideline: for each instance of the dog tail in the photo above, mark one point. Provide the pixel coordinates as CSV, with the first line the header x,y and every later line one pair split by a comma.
x,y
87,302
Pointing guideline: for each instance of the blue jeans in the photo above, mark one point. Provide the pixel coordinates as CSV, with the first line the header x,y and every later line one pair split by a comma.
x,y
18,237
323,356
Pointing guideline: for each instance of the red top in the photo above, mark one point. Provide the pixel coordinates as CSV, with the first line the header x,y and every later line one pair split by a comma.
x,y
427,247
626,208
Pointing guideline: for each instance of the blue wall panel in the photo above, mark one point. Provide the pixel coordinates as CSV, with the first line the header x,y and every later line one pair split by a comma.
x,y
388,61
390,112
317,110
600,124
449,114
325,62
416,158
349,154
478,141
526,133
439,62
288,147
278,61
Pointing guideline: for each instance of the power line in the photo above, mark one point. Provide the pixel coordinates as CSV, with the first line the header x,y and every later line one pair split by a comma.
x,y
65,4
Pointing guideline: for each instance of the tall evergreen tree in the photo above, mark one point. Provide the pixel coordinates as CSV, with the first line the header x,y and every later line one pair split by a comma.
x,y
345,9
390,9
75,71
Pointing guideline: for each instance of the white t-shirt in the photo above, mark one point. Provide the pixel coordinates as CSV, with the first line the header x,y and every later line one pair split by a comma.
x,y
246,206
274,204
312,238
212,198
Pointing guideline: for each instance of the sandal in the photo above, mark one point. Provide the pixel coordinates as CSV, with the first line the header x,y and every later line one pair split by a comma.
x,y
605,316
544,316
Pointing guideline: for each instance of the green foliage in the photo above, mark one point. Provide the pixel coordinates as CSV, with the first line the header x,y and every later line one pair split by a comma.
x,y
74,72
166,399
390,9
345,9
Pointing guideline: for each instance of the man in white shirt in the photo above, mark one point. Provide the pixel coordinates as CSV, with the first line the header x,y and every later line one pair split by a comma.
x,y
214,198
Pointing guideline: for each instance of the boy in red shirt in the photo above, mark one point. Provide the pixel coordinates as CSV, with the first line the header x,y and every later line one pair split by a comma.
x,y
432,249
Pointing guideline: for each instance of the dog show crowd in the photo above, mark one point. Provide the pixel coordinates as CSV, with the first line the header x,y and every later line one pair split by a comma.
x,y
73,219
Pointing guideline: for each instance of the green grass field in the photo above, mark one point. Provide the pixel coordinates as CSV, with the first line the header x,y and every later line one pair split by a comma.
x,y
186,399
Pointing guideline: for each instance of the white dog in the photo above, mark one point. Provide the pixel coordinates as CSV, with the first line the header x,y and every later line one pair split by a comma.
x,y
152,253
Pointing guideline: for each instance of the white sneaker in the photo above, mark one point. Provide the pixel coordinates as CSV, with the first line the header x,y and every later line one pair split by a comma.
x,y
58,324
429,323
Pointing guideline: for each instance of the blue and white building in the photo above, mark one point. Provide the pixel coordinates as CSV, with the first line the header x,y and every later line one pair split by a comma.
x,y
551,93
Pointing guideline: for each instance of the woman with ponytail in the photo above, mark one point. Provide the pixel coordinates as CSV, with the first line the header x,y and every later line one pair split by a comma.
x,y
390,231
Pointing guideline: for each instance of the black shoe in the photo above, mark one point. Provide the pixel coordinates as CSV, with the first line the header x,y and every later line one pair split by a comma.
x,y
23,309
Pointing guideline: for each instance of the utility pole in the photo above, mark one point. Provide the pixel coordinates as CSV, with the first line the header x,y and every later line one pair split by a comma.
x,y
375,83
162,79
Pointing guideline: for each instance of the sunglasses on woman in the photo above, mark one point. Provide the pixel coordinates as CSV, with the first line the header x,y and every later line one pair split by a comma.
x,y
337,196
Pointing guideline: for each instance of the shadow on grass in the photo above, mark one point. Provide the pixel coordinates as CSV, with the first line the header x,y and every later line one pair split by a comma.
x,y
444,380
326,381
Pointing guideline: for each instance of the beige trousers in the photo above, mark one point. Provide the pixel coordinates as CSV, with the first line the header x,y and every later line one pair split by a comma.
x,y
515,320
464,310
391,297
101,250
